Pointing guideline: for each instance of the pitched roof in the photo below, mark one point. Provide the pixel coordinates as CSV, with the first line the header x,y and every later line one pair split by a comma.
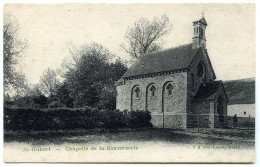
x,y
207,91
202,20
168,60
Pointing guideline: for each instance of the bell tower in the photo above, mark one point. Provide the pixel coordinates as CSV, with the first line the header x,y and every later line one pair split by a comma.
x,y
199,39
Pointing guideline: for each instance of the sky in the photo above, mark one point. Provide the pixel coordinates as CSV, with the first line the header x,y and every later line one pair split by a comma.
x,y
49,29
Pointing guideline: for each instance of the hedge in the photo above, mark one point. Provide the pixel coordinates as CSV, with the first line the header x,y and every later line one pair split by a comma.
x,y
77,118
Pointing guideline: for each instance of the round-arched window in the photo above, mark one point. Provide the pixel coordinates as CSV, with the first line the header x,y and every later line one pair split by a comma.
x,y
137,92
169,88
152,89
200,70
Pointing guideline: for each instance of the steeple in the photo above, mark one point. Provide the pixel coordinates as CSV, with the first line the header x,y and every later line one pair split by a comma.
x,y
199,39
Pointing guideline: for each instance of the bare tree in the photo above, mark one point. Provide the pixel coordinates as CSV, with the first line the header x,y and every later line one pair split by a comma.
x,y
143,37
48,82
14,47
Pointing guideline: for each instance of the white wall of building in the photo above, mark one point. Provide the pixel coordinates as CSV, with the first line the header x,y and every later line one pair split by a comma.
x,y
242,110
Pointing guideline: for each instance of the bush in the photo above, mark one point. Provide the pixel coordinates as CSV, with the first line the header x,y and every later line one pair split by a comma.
x,y
66,118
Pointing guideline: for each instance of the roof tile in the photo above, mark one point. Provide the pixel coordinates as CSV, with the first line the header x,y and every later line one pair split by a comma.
x,y
167,60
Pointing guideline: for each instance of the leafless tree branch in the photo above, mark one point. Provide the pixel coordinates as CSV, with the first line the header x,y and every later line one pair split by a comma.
x,y
143,37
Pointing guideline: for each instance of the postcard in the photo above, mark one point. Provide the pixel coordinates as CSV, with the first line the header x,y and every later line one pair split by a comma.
x,y
129,83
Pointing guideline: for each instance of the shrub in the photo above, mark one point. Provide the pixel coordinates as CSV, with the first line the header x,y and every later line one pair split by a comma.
x,y
77,118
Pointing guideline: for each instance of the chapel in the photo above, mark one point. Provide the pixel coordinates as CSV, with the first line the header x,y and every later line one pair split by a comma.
x,y
177,86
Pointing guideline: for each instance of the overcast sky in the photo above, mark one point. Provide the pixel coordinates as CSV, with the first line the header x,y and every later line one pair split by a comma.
x,y
49,28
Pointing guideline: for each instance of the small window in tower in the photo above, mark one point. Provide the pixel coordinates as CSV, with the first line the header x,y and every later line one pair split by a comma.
x,y
169,89
152,89
200,32
137,92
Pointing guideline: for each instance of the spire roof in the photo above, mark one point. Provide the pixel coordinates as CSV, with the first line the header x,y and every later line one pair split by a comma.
x,y
202,21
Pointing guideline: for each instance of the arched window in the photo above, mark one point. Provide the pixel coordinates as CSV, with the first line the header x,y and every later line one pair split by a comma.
x,y
152,90
201,70
137,92
169,88
201,32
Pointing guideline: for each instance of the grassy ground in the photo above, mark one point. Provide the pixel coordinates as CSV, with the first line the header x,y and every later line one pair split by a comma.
x,y
218,137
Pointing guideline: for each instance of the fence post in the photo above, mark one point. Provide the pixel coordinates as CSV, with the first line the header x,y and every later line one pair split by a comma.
x,y
248,122
163,119
198,120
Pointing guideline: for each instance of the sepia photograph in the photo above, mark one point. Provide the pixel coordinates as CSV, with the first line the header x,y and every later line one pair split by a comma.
x,y
129,83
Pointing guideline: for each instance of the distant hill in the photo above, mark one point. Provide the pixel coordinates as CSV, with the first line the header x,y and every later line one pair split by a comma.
x,y
240,91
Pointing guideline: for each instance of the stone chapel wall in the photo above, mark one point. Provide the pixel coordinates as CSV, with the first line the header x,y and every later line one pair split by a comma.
x,y
208,76
174,104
